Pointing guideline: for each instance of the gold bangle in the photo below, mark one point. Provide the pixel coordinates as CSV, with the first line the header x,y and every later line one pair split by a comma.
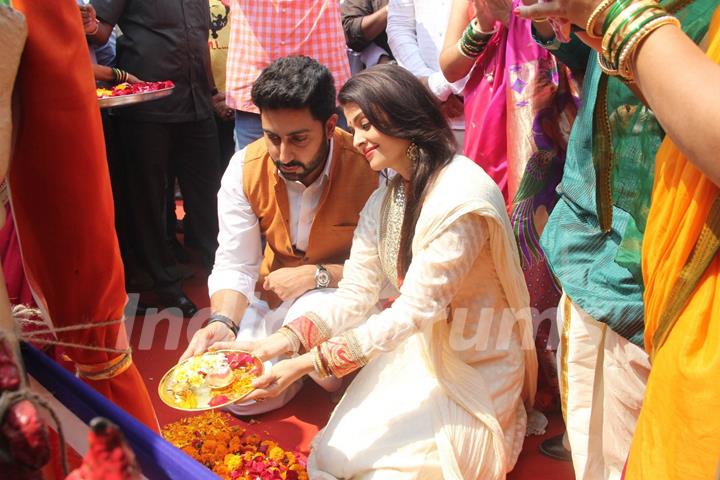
x,y
292,339
475,25
539,20
594,16
629,30
606,69
620,20
97,27
624,64
317,363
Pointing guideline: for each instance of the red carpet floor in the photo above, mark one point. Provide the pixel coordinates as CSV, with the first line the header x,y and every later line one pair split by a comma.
x,y
158,342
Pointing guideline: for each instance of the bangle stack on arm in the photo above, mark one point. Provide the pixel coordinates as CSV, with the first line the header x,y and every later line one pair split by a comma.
x,y
474,40
119,76
625,27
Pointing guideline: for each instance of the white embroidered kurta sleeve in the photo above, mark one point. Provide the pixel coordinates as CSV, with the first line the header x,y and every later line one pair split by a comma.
x,y
358,291
434,277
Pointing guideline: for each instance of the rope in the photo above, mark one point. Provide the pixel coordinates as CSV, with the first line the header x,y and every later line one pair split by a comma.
x,y
27,315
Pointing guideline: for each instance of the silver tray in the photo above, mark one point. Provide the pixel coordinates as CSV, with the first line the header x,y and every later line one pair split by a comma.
x,y
123,100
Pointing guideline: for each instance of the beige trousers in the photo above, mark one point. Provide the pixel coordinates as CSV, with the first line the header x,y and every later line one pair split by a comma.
x,y
602,383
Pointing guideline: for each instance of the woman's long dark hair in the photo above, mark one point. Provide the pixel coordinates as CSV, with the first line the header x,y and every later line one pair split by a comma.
x,y
399,105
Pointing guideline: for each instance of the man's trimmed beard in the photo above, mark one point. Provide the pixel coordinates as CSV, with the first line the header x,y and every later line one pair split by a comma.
x,y
318,160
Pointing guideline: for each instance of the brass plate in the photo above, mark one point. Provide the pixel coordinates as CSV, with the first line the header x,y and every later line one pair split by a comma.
x,y
190,401
124,100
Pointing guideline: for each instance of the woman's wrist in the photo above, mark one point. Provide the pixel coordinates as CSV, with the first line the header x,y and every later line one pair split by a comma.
x,y
304,363
288,342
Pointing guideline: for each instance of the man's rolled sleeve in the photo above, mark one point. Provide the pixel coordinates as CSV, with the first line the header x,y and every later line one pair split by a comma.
x,y
352,16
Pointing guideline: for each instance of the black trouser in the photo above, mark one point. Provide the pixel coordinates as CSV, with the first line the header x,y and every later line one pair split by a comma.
x,y
226,130
190,150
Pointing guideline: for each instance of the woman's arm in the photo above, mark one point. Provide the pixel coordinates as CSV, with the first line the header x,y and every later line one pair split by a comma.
x,y
432,281
358,291
682,87
453,64
676,79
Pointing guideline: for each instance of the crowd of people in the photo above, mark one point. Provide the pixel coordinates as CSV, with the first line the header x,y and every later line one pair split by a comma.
x,y
407,188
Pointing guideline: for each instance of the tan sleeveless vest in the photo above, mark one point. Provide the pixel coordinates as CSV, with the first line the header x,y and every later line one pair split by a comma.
x,y
350,183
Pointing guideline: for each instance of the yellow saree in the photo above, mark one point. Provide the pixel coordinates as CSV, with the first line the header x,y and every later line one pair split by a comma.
x,y
678,432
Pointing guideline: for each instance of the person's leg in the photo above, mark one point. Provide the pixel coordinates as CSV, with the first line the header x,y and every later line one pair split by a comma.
x,y
136,278
147,146
247,129
580,354
226,138
196,157
625,374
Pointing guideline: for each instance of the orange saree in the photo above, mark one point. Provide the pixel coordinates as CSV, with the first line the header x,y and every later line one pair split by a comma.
x,y
678,432
63,206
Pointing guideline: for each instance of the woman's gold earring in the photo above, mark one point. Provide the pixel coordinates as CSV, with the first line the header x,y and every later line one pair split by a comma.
x,y
413,153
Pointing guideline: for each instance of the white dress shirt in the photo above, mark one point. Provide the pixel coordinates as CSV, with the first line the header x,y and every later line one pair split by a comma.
x,y
239,255
416,33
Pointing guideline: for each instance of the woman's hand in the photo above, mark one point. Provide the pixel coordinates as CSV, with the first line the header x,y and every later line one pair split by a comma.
x,y
133,79
280,377
576,11
269,347
488,11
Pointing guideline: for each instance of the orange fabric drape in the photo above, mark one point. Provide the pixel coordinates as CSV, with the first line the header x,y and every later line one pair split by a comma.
x,y
62,199
678,433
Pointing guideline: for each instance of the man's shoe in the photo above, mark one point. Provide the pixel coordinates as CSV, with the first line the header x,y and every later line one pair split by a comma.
x,y
553,448
180,301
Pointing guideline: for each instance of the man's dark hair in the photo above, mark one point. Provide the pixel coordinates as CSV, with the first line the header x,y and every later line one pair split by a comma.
x,y
296,82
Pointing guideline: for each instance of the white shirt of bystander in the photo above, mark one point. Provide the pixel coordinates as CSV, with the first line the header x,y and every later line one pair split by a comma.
x,y
416,33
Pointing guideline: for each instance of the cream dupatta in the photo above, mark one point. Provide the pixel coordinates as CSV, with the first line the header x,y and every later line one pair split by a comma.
x,y
467,440
462,189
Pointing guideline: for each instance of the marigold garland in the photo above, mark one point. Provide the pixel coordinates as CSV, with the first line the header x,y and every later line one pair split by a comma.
x,y
224,448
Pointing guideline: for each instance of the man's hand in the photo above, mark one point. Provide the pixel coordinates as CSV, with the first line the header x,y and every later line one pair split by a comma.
x,y
290,283
89,19
220,107
453,106
206,336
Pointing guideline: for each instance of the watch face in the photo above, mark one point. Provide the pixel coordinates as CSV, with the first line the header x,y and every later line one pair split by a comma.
x,y
322,279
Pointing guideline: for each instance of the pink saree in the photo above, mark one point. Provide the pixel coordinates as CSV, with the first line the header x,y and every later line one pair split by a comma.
x,y
520,104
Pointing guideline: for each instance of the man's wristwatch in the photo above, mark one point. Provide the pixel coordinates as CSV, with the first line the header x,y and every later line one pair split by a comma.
x,y
227,321
322,277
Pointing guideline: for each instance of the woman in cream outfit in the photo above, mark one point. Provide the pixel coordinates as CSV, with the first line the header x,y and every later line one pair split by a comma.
x,y
450,366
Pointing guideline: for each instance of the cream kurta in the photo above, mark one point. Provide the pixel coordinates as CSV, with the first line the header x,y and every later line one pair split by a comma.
x,y
438,399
